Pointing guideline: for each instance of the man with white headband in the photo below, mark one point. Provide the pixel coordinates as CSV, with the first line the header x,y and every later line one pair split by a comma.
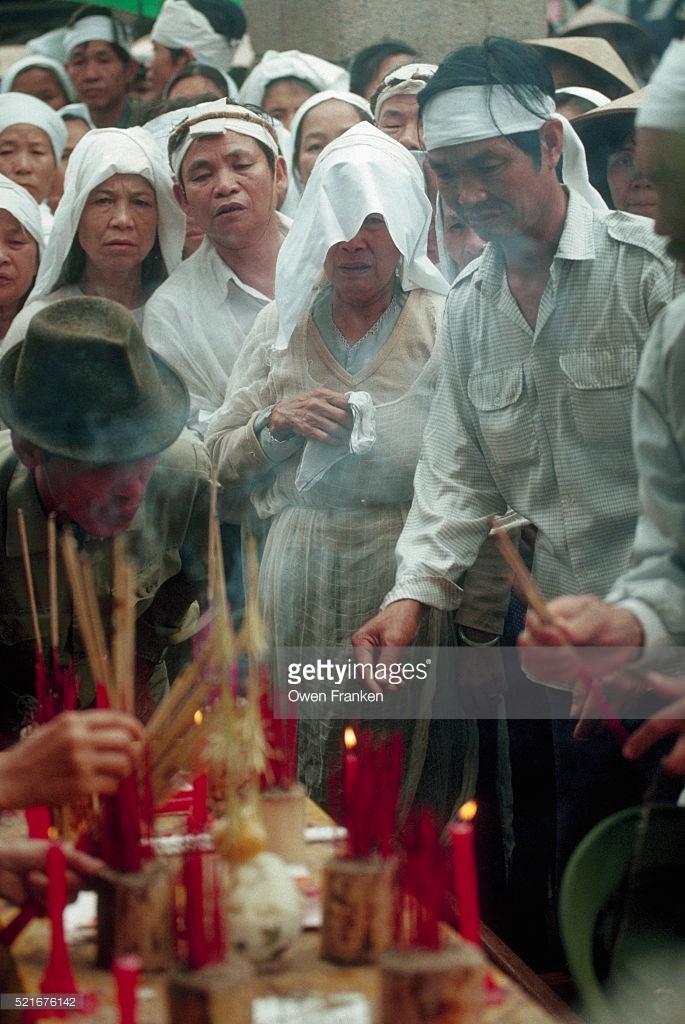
x,y
646,605
230,177
100,66
194,30
542,336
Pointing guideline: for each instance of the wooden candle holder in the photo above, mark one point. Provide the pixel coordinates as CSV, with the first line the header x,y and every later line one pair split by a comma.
x,y
283,814
441,986
216,994
135,916
357,910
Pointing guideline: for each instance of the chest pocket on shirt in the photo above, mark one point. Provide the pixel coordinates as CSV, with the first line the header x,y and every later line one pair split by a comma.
x,y
504,415
600,385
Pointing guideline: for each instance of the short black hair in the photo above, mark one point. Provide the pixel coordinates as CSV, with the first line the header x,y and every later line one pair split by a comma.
x,y
118,27
226,18
197,68
497,61
302,83
365,64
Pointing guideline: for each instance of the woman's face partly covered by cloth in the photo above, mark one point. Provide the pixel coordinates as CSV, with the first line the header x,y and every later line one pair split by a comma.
x,y
363,267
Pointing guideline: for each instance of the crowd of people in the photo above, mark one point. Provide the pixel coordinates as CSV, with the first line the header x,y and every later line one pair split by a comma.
x,y
383,303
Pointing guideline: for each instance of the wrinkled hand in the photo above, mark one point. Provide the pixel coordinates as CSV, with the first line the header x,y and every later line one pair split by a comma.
x,y
395,627
586,632
670,721
318,415
76,754
23,875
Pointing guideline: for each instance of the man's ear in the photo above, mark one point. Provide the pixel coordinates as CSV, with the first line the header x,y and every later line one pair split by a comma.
x,y
180,195
28,453
552,142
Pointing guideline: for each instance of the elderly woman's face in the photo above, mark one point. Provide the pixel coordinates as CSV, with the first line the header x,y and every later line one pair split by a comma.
x,y
320,125
42,84
18,260
118,225
363,267
27,157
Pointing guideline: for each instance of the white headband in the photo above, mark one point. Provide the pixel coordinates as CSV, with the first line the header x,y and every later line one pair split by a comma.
x,y
473,113
582,93
402,82
215,118
95,26
179,26
663,105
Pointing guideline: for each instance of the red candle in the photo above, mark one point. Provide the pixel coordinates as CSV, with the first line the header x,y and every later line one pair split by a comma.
x,y
197,819
58,976
126,970
351,770
193,882
465,873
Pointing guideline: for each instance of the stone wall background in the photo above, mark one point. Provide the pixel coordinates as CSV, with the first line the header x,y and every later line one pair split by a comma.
x,y
336,29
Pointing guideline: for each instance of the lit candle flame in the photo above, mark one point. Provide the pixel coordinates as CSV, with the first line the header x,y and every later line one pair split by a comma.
x,y
467,811
53,833
350,738
198,717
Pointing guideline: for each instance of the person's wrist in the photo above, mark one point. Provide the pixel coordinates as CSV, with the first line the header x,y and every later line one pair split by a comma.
x,y
276,432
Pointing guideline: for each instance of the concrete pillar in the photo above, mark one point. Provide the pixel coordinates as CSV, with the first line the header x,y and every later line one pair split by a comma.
x,y
336,29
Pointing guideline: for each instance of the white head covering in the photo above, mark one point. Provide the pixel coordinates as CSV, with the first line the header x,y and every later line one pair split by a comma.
x,y
407,80
76,111
354,100
359,173
20,108
214,118
96,157
17,201
49,44
581,92
473,113
291,63
96,26
663,105
47,64
179,25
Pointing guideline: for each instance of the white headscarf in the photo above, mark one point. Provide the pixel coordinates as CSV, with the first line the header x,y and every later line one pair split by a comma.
x,y
20,108
17,201
179,25
354,100
360,173
46,64
76,112
663,105
291,63
473,113
96,157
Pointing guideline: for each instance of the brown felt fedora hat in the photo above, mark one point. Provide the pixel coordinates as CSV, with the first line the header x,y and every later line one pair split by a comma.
x,y
84,385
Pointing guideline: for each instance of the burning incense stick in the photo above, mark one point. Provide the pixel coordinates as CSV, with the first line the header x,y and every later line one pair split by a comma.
x,y
29,578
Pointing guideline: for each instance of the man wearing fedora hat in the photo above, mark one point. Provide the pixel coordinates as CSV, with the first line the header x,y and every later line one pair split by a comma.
x,y
96,439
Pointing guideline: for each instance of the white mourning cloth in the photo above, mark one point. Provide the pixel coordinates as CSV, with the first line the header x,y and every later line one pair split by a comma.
x,y
96,26
37,61
21,204
360,173
473,113
179,26
402,82
216,117
20,108
663,105
321,74
96,157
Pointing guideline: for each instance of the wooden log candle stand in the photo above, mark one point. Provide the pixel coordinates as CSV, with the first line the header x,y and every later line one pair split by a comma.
x,y
135,916
433,986
357,909
215,994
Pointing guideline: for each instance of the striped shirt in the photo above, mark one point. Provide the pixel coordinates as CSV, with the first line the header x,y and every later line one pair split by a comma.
x,y
539,419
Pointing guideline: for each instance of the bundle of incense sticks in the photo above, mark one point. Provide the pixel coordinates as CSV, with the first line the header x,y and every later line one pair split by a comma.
x,y
56,685
280,738
372,786
423,877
